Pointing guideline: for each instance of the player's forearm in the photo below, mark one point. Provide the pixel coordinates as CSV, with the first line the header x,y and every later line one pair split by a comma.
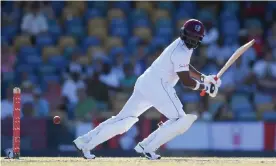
x,y
194,73
188,81
193,84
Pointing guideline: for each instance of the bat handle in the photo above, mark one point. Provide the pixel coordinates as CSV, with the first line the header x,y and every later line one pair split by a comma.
x,y
203,92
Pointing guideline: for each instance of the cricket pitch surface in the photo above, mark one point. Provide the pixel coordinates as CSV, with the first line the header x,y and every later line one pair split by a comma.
x,y
138,161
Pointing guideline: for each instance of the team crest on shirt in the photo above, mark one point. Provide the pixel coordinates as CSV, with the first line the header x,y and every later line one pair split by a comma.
x,y
197,28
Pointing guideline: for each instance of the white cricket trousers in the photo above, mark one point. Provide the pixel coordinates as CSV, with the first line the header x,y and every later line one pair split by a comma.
x,y
158,94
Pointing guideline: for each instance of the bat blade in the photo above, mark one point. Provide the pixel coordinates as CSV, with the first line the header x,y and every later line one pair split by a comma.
x,y
235,56
231,60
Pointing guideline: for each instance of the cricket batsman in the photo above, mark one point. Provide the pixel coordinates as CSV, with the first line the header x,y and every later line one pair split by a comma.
x,y
155,88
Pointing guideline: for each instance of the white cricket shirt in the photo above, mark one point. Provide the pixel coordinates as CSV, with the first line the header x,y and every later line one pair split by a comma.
x,y
175,58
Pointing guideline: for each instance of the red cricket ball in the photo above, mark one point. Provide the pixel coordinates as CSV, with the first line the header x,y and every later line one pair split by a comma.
x,y
56,120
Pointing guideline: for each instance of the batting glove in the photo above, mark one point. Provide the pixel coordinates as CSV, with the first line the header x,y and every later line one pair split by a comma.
x,y
210,79
211,89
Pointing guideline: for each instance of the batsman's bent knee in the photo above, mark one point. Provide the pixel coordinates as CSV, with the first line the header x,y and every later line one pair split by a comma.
x,y
185,122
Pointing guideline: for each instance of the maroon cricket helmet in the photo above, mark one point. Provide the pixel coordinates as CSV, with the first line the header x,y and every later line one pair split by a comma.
x,y
192,33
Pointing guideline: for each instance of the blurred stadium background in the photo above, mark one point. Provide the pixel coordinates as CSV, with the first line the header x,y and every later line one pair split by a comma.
x,y
80,60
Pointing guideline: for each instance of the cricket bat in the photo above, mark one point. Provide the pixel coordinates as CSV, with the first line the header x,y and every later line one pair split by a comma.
x,y
231,60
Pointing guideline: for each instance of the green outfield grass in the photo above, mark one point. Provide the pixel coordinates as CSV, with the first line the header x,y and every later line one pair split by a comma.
x,y
166,161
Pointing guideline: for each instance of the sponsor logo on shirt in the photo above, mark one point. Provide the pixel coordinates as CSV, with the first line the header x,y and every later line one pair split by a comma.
x,y
184,65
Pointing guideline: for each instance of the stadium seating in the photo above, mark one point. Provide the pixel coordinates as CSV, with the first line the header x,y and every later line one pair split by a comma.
x,y
43,41
105,29
21,41
240,103
115,13
143,33
269,116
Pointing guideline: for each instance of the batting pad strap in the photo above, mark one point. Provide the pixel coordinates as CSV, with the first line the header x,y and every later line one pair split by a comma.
x,y
197,85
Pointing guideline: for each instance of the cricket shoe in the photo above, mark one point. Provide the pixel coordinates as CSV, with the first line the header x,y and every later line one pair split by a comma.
x,y
149,155
80,144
